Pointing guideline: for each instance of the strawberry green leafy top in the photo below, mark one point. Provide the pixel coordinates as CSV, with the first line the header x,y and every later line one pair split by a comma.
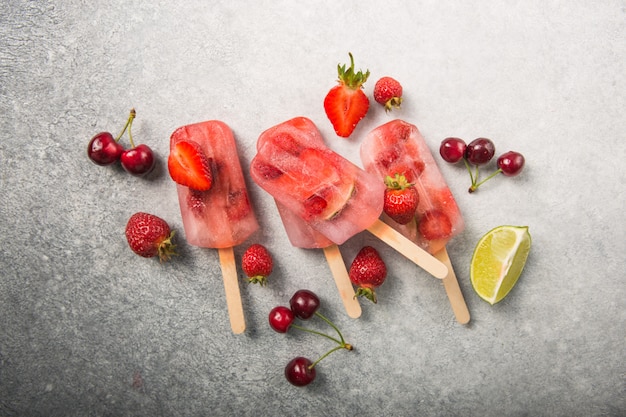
x,y
349,78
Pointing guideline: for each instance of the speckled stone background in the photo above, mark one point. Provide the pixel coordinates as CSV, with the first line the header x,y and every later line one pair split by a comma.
x,y
89,329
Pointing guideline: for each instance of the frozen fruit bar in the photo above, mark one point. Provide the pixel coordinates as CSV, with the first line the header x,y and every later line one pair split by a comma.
x,y
397,147
213,199
222,216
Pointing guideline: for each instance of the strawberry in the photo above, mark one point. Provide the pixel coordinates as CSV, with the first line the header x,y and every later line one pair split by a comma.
x,y
149,236
435,224
346,103
269,172
257,263
388,92
238,205
367,271
189,166
401,199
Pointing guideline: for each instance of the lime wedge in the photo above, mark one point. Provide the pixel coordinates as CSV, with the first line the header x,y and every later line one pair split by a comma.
x,y
338,199
498,261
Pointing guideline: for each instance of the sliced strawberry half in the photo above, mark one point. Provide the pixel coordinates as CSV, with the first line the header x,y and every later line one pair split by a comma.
x,y
189,166
346,103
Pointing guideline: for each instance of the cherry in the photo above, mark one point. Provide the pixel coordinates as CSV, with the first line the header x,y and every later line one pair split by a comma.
x,y
452,149
138,160
480,151
103,149
511,163
300,371
280,319
304,304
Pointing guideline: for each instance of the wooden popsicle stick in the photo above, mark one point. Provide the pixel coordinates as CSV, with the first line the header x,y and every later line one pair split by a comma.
x,y
451,284
342,280
231,288
408,248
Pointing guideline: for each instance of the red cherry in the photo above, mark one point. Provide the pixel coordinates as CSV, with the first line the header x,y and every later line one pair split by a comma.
x,y
299,371
304,304
138,160
452,150
280,319
480,151
103,149
511,163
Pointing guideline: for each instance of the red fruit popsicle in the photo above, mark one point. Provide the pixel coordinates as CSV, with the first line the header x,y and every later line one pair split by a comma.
x,y
221,216
397,147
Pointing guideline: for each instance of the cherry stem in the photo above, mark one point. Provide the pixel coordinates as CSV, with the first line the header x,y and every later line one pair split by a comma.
x,y
331,324
474,187
341,343
128,124
130,135
343,346
469,169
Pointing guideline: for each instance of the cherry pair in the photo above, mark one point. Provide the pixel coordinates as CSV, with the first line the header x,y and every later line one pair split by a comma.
x,y
479,152
304,304
104,150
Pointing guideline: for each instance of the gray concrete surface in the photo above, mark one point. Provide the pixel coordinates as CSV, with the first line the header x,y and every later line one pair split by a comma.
x,y
90,329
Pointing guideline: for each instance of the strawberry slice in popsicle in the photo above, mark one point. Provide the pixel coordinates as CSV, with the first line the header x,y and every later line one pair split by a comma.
x,y
213,198
397,147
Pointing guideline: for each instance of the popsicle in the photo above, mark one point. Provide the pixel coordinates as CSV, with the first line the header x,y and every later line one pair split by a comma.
x,y
329,193
397,147
220,217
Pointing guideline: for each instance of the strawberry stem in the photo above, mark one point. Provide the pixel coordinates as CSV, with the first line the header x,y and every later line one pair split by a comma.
x,y
349,78
368,293
167,249
258,279
397,182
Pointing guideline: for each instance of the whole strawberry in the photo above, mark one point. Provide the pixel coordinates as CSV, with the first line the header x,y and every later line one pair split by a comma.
x,y
401,199
257,263
388,92
149,236
368,272
346,103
